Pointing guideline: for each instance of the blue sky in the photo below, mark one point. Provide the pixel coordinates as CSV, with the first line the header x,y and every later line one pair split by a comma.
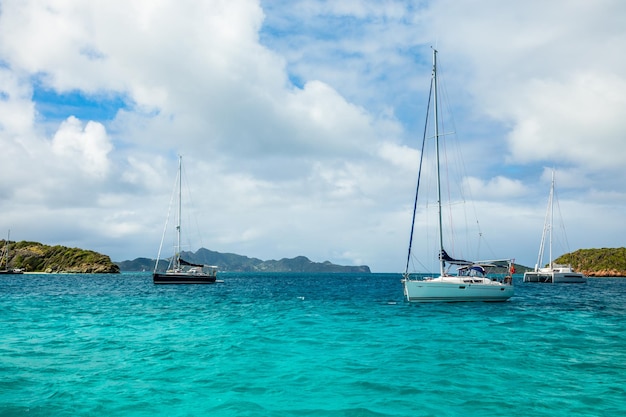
x,y
55,106
300,121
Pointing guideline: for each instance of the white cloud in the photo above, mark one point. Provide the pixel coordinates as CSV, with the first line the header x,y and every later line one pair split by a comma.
x,y
571,121
17,111
555,77
496,188
88,146
400,156
298,120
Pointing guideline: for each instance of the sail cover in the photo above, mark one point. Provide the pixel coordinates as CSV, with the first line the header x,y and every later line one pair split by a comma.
x,y
184,262
447,258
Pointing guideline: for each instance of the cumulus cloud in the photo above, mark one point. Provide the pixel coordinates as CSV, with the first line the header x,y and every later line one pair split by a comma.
x,y
17,110
298,120
575,119
554,77
87,146
497,188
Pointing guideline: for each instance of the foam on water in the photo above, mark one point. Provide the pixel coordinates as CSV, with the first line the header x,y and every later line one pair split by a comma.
x,y
296,344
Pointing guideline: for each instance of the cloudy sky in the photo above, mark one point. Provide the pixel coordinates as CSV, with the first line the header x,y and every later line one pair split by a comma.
x,y
300,121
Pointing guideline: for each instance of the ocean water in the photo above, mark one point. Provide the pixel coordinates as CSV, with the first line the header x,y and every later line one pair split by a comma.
x,y
306,345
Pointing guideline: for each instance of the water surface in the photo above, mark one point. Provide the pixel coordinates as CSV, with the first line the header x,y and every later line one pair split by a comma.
x,y
306,345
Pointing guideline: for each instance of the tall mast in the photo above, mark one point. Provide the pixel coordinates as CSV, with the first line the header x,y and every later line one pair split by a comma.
x,y
436,108
178,216
551,215
547,231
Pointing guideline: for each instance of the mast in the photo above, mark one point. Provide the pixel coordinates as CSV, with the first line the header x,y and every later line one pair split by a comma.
x,y
547,230
178,216
435,108
551,203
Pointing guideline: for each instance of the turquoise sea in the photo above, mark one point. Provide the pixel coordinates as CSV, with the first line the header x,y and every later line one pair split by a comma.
x,y
306,345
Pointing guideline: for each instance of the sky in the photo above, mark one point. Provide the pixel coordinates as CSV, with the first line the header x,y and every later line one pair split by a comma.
x,y
300,122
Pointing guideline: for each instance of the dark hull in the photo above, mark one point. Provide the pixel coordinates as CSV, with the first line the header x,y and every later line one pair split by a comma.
x,y
160,278
10,272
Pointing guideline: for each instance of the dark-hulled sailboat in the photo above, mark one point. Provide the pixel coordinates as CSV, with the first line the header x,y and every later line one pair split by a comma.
x,y
180,271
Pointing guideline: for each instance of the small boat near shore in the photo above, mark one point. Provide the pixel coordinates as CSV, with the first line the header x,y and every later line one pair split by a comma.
x,y
4,259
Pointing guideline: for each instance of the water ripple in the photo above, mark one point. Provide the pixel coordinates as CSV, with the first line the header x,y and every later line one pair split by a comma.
x,y
289,344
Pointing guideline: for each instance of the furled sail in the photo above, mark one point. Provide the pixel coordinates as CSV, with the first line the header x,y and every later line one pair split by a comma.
x,y
184,262
447,258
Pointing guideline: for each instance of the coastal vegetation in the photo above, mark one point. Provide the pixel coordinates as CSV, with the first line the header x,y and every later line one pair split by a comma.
x,y
37,257
604,262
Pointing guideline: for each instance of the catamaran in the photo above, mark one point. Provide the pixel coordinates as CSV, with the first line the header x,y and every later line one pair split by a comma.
x,y
552,273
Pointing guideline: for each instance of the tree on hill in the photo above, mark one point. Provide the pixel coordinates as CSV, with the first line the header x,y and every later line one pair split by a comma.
x,y
37,257
597,262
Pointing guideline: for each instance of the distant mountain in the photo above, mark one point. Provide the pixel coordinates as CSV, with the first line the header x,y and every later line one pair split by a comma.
x,y
604,262
240,263
37,257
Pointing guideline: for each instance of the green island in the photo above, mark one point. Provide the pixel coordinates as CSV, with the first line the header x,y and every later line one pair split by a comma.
x,y
37,257
604,262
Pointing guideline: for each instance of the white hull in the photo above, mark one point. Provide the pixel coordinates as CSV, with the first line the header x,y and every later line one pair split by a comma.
x,y
471,283
456,289
555,277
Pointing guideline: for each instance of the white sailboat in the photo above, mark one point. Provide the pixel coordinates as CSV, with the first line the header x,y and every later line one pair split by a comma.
x,y
472,282
553,273
180,271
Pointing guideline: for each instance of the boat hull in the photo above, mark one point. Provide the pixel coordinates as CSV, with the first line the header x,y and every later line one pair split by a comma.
x,y
456,290
555,277
165,278
569,278
10,272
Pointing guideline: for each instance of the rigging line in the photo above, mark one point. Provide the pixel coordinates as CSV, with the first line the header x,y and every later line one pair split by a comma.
x,y
191,213
461,168
470,198
448,206
419,175
415,261
167,220
561,221
483,239
544,232
444,103
447,165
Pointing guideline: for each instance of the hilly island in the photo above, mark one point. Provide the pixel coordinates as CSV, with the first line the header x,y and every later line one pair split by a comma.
x,y
37,257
